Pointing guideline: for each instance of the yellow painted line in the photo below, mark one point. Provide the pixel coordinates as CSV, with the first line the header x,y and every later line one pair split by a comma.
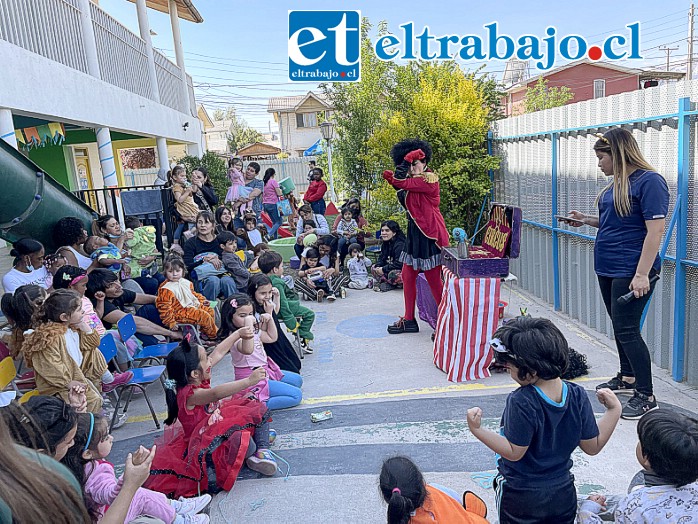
x,y
394,393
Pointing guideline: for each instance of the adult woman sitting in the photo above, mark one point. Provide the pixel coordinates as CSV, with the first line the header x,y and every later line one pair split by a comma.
x,y
28,266
205,196
355,205
225,222
70,234
305,212
272,194
387,270
202,254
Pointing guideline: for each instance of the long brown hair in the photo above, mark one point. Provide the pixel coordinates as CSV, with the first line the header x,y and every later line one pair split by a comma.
x,y
621,146
32,491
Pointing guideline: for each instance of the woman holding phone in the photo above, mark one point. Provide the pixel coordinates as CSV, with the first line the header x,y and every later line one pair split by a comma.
x,y
632,211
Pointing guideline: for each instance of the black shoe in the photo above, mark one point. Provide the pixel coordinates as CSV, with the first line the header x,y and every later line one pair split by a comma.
x,y
638,406
403,326
618,385
386,286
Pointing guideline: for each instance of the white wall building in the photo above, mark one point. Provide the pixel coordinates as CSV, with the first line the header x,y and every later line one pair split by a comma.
x,y
299,118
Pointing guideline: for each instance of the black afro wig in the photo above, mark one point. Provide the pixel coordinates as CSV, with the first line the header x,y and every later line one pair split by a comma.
x,y
399,150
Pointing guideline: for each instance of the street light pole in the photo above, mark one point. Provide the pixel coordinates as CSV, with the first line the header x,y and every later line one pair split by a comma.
x,y
327,130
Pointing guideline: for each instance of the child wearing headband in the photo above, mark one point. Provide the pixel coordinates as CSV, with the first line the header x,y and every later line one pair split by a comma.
x,y
544,421
87,460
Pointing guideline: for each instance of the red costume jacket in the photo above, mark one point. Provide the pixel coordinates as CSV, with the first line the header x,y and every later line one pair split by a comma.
x,y
422,202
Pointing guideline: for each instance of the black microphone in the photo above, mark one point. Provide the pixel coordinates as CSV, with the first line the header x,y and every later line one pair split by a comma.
x,y
622,300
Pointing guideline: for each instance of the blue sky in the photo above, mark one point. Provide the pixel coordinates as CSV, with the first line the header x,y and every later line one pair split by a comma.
x,y
239,57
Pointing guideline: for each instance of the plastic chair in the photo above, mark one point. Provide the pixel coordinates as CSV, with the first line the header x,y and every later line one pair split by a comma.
x,y
7,372
297,339
142,377
28,395
146,204
157,352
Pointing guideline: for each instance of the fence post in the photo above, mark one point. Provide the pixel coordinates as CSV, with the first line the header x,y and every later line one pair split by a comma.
x,y
554,138
684,131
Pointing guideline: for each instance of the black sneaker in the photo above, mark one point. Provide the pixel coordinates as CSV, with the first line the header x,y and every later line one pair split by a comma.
x,y
618,385
638,406
386,286
403,326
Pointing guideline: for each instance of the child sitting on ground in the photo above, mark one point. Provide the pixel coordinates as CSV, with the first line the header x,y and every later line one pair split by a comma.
x,y
87,461
254,260
279,389
142,245
211,430
233,260
62,349
347,229
272,264
178,303
411,500
668,453
543,422
311,277
105,253
253,235
358,268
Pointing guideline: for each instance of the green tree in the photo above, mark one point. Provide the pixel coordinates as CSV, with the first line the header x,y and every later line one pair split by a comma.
x,y
540,96
241,135
215,166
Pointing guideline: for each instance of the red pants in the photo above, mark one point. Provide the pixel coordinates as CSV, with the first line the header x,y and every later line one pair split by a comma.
x,y
409,284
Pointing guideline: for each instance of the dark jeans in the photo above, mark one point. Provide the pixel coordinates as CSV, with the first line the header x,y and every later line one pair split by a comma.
x,y
149,312
555,504
298,248
632,351
276,219
319,206
150,283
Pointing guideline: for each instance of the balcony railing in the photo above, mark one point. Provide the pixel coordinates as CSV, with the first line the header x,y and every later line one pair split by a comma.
x,y
51,28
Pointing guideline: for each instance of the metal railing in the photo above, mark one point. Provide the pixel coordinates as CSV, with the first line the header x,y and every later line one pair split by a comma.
x,y
51,28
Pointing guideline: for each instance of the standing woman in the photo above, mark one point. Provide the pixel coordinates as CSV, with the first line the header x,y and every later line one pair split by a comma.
x,y
419,193
632,212
205,195
272,194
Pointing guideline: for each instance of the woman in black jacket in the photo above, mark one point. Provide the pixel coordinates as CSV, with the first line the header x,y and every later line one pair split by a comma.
x,y
205,196
388,268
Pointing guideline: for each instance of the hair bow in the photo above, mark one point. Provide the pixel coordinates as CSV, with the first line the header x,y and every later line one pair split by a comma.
x,y
234,303
67,277
170,384
602,138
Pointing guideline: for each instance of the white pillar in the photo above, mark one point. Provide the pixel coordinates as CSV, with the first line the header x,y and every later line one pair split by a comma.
x,y
144,28
179,54
106,157
7,127
88,37
163,159
329,164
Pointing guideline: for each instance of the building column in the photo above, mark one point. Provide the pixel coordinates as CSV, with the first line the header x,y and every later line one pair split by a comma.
x,y
106,157
7,127
163,158
179,55
88,37
144,28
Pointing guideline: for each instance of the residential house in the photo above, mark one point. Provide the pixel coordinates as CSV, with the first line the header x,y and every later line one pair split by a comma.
x,y
299,118
217,137
587,80
258,151
78,91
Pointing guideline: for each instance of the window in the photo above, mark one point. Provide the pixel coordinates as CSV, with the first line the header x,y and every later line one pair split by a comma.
x,y
599,88
306,120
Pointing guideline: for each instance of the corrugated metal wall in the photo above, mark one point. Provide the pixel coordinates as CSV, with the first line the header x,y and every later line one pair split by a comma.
x,y
525,178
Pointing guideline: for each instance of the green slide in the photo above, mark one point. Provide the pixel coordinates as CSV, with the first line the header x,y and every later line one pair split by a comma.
x,y
31,202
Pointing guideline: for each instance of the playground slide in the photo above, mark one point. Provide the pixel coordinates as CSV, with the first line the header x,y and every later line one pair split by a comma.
x,y
31,202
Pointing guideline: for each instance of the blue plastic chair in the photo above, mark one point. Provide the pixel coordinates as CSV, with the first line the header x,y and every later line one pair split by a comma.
x,y
142,377
157,352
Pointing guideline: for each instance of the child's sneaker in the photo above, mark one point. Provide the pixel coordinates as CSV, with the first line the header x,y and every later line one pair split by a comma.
x,y
272,436
119,380
263,462
190,506
192,519
331,297
305,346
321,295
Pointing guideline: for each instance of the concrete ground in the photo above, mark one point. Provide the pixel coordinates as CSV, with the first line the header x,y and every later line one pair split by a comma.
x,y
388,398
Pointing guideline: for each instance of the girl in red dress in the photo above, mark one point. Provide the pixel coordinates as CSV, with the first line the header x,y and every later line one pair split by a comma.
x,y
215,434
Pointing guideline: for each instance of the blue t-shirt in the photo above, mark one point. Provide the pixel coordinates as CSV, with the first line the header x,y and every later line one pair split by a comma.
x,y
619,241
551,431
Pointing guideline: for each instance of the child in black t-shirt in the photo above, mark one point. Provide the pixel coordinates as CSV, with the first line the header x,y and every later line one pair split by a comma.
x,y
543,422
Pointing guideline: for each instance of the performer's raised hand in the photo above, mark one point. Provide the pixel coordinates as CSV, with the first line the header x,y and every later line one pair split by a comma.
x,y
388,175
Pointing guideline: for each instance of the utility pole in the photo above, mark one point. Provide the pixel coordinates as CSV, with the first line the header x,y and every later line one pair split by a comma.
x,y
668,51
689,64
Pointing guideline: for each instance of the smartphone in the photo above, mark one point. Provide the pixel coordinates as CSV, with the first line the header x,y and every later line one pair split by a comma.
x,y
568,220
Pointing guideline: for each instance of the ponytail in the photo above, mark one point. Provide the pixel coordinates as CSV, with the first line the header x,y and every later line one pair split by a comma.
x,y
59,302
402,487
180,363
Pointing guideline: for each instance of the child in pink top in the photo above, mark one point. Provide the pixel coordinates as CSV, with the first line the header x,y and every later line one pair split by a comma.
x,y
280,389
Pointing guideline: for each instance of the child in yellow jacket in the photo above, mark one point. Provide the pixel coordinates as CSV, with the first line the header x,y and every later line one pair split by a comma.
x,y
178,303
63,350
